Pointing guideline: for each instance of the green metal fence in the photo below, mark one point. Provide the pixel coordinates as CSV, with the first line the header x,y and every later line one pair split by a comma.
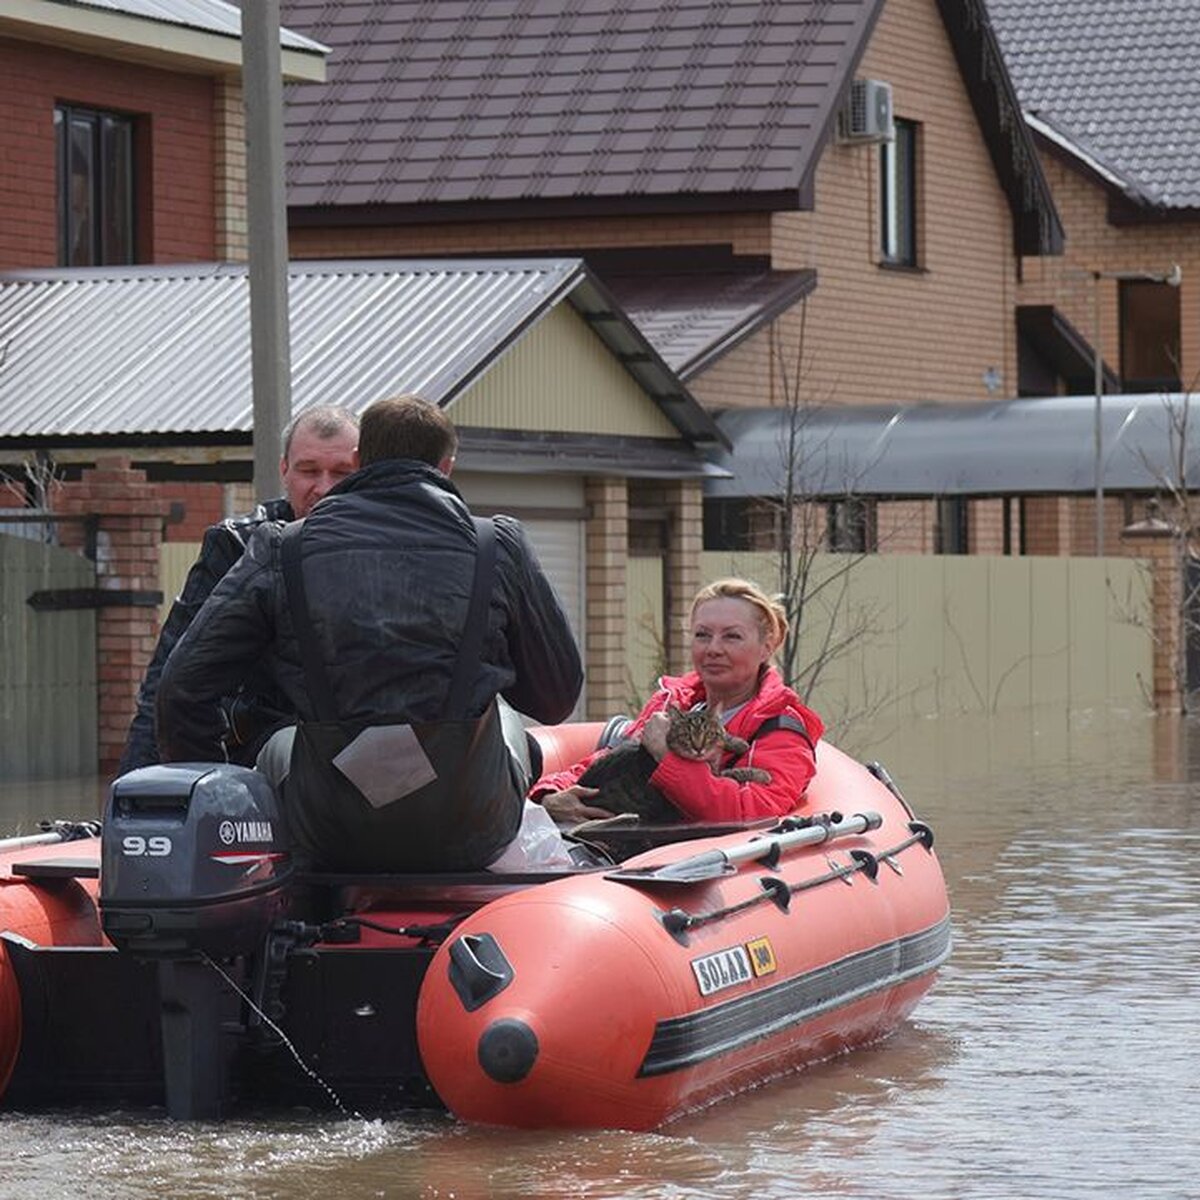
x,y
47,665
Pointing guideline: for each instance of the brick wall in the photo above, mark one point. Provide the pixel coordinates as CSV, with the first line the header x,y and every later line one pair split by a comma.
x,y
203,504
1157,543
1093,244
229,153
904,527
607,536
130,515
178,221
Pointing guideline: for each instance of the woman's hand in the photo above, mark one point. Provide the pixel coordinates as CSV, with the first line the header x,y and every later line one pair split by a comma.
x,y
654,735
570,807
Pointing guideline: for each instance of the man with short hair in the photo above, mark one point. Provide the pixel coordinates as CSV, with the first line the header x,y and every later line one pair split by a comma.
x,y
363,616
318,451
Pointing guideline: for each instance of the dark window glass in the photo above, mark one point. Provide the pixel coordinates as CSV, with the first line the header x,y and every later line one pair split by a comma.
x,y
1149,336
95,187
950,531
726,524
850,525
898,196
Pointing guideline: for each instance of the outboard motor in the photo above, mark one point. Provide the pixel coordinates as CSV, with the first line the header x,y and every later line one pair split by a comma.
x,y
194,858
195,866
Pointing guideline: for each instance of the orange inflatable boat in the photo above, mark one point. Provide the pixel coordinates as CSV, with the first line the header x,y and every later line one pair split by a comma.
x,y
179,960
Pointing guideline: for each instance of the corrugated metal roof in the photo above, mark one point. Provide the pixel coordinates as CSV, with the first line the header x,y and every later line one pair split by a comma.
x,y
461,101
1008,447
209,16
166,350
1116,82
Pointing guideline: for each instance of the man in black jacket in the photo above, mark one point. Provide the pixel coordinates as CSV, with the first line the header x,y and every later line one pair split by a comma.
x,y
386,564
318,451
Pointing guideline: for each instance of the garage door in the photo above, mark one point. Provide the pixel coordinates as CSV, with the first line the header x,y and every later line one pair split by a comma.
x,y
551,511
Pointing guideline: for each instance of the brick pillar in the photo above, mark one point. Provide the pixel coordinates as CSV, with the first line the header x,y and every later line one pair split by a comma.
x,y
1157,543
681,567
607,551
128,532
229,125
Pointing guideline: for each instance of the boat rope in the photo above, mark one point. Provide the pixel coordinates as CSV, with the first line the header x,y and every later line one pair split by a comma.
x,y
346,928
677,922
286,1041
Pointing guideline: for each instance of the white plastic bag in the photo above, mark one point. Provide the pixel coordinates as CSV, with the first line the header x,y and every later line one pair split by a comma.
x,y
538,846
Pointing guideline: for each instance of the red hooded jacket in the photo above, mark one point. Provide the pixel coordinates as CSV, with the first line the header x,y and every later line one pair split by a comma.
x,y
693,788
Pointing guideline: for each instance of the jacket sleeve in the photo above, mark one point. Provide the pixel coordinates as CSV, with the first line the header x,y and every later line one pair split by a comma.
x,y
219,551
699,794
549,673
224,640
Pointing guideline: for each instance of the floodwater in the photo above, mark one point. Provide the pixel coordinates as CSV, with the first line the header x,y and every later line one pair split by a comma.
x,y
1057,1057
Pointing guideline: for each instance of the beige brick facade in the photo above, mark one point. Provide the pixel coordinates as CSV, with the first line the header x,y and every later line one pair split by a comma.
x,y
1095,244
1159,544
229,119
607,537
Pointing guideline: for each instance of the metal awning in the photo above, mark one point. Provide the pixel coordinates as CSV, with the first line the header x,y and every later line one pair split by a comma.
x,y
997,448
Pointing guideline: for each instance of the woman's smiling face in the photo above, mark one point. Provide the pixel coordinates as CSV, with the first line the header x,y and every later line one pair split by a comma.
x,y
728,649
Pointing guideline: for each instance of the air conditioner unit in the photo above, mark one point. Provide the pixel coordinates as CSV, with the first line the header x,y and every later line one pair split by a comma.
x,y
867,114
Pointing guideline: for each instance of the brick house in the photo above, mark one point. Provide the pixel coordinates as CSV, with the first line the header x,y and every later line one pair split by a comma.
x,y
702,157
126,339
1108,94
122,134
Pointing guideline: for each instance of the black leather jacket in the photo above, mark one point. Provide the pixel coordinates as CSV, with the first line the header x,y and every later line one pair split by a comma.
x,y
224,543
388,558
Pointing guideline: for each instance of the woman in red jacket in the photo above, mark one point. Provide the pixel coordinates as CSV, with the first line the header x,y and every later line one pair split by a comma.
x,y
735,629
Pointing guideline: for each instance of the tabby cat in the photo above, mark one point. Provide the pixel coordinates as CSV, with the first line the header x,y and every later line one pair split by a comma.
x,y
623,774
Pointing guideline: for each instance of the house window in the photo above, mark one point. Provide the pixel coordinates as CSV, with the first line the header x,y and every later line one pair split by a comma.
x,y
898,197
1149,336
950,530
726,524
850,525
95,187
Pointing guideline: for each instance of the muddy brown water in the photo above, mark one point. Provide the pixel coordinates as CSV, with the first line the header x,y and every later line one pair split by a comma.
x,y
1058,1056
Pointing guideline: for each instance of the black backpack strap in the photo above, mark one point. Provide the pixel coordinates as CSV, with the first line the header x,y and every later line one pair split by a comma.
x,y
316,679
471,650
783,721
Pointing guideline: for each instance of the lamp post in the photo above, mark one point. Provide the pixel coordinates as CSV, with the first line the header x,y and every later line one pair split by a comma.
x,y
1173,278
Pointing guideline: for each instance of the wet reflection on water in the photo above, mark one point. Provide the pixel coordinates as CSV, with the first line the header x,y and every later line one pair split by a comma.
x,y
1055,1058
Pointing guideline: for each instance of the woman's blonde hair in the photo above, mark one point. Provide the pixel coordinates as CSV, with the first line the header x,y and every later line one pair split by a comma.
x,y
772,619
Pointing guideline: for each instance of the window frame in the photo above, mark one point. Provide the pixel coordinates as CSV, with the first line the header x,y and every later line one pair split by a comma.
x,y
899,195
1129,312
99,227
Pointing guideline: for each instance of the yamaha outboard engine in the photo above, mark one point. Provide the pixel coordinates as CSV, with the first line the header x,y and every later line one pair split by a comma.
x,y
194,872
194,858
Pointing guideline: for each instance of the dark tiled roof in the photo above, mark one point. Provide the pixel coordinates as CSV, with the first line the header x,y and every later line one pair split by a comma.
x,y
692,319
536,100
1117,80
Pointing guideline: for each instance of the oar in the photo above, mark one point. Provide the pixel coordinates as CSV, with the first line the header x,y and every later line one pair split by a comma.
x,y
713,864
57,831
